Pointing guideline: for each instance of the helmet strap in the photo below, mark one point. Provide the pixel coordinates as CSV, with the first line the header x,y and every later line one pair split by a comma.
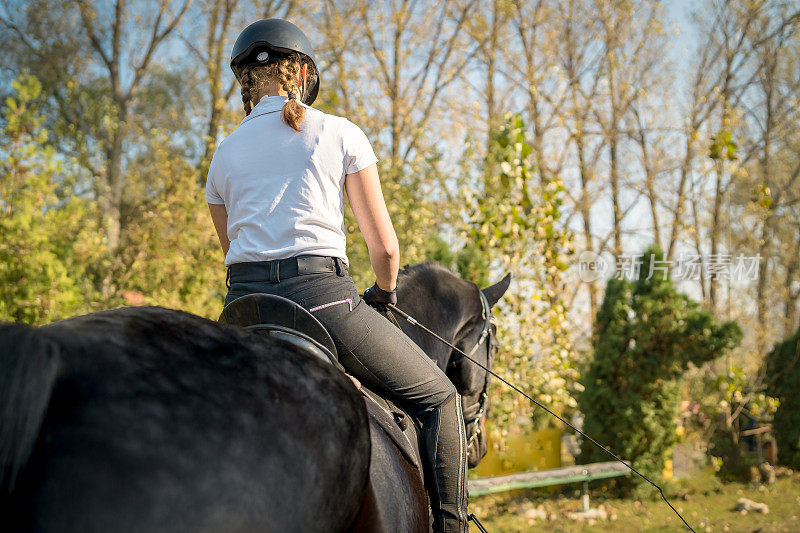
x,y
304,76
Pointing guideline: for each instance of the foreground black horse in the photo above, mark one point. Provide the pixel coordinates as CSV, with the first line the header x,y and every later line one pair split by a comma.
x,y
149,419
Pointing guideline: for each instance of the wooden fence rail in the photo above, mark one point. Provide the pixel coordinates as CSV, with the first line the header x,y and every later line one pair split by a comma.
x,y
545,478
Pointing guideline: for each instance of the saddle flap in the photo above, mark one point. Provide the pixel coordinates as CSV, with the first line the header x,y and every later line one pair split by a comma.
x,y
383,417
260,308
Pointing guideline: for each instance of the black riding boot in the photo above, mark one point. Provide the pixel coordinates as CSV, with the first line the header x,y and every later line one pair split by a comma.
x,y
445,455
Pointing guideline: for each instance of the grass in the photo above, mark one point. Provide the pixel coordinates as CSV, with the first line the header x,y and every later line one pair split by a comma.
x,y
706,503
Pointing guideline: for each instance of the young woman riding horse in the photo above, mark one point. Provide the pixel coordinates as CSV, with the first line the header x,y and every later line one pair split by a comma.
x,y
275,189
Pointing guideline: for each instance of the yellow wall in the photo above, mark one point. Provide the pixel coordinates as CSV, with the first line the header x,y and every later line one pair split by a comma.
x,y
534,450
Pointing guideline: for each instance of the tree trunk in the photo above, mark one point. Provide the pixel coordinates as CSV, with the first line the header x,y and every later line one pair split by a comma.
x,y
765,243
714,235
790,294
762,305
528,38
613,138
490,55
115,179
586,215
677,214
394,94
698,247
213,43
614,179
649,183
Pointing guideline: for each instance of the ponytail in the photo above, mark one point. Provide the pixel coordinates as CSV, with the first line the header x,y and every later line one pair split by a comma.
x,y
293,113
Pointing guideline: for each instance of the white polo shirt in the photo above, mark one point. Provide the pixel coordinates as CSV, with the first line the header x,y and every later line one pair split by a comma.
x,y
283,189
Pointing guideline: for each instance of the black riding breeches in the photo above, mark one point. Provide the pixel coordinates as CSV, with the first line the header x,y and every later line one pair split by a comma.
x,y
387,361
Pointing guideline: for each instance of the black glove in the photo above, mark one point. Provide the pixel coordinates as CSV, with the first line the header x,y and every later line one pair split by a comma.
x,y
378,298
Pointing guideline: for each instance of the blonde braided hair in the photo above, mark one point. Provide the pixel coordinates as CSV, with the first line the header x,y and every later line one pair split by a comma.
x,y
254,79
247,88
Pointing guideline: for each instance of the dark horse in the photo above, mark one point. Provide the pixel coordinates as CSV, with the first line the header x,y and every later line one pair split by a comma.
x,y
150,419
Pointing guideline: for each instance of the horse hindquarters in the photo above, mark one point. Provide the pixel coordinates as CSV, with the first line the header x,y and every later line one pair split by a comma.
x,y
163,422
395,500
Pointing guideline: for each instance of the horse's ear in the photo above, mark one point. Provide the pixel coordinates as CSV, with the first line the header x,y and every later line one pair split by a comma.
x,y
494,292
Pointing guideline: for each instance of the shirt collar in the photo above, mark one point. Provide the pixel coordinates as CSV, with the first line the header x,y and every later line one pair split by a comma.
x,y
267,104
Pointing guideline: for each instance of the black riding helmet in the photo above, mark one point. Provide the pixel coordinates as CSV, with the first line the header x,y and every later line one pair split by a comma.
x,y
280,36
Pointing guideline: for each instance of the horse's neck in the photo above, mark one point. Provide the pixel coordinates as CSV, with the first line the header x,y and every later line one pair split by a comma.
x,y
434,316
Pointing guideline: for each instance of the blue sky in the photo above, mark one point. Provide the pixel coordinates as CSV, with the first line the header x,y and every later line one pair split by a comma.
x,y
680,15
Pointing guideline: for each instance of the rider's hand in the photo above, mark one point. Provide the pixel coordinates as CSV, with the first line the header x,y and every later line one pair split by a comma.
x,y
378,298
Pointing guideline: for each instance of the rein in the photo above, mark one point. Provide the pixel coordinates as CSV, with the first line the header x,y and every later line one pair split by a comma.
x,y
413,321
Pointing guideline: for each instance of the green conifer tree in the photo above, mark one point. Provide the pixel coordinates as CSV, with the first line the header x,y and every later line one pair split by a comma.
x,y
646,336
783,374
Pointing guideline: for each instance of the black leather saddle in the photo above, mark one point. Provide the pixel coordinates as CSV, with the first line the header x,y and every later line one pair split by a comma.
x,y
283,320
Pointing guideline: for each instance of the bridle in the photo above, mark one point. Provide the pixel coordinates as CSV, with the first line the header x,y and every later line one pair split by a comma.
x,y
485,337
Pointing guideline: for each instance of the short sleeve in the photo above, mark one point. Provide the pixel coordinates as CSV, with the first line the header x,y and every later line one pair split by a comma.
x,y
214,179
358,153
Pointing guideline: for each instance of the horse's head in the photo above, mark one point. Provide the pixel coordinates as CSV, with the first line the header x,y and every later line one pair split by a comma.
x,y
460,312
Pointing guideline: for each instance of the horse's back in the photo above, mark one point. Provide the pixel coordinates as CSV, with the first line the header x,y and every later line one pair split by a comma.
x,y
163,421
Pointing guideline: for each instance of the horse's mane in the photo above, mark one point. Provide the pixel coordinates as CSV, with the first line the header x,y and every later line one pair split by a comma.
x,y
428,268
